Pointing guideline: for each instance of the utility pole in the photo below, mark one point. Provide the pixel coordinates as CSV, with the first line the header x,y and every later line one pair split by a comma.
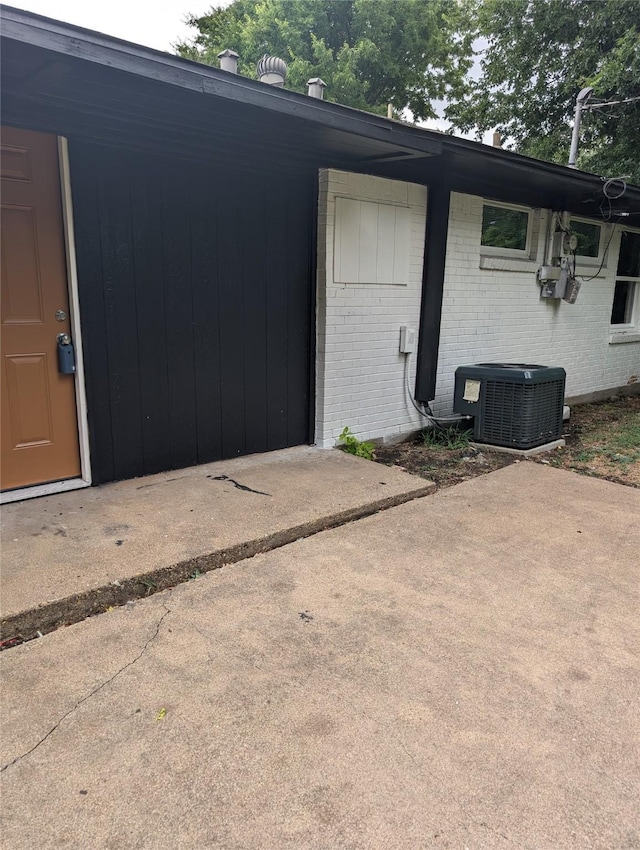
x,y
581,102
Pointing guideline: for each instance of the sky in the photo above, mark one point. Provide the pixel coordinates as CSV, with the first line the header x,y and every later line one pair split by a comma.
x,y
153,23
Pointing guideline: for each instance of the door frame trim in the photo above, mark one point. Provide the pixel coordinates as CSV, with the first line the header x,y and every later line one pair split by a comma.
x,y
74,308
84,480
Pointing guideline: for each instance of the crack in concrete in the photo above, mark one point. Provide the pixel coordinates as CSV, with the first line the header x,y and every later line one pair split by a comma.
x,y
237,485
420,764
211,639
96,690
492,829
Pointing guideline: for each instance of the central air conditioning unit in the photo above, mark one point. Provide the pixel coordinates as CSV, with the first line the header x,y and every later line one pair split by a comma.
x,y
515,405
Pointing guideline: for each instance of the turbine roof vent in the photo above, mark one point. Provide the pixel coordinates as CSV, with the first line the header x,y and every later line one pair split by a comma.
x,y
272,70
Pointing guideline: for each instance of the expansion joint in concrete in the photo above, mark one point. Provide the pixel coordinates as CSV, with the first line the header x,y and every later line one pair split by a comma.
x,y
38,621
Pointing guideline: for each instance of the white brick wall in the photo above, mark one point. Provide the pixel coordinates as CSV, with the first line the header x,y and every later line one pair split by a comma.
x,y
488,314
498,315
360,372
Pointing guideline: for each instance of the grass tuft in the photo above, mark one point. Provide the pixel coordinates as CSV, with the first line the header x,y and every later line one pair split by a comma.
x,y
446,438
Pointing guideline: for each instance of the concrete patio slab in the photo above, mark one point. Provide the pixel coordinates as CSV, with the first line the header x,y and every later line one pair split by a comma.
x,y
180,522
458,672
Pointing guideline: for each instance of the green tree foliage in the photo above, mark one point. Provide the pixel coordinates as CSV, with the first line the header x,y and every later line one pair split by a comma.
x,y
369,52
539,54
504,228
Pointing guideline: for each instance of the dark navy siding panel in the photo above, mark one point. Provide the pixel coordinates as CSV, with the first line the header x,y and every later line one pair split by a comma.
x,y
206,332
151,316
231,317
298,298
116,240
276,311
254,281
178,339
196,292
89,267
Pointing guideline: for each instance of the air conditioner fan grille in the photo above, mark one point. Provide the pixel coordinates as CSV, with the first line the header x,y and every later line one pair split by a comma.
x,y
520,415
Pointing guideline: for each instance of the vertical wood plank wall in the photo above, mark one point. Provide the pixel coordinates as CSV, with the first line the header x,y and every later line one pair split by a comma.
x,y
195,287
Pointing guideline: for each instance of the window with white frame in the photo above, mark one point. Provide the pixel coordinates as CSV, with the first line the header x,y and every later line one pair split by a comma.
x,y
626,296
506,229
589,236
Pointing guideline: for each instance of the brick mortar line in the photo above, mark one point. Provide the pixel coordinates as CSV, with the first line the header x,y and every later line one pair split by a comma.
x,y
27,625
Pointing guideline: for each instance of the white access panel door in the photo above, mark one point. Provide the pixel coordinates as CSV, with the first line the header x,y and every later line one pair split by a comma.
x,y
372,243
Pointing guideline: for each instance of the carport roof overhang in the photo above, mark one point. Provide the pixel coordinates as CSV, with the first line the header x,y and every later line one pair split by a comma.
x,y
79,83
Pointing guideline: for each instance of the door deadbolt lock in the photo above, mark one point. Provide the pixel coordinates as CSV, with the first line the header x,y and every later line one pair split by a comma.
x,y
60,315
66,355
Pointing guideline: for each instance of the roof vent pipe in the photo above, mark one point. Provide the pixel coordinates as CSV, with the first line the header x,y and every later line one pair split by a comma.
x,y
272,70
316,87
229,61
497,140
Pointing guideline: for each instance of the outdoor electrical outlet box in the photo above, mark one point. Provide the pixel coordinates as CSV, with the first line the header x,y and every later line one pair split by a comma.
x,y
572,290
548,273
407,340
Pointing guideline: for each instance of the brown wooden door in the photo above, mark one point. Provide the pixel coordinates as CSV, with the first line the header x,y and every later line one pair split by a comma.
x,y
39,425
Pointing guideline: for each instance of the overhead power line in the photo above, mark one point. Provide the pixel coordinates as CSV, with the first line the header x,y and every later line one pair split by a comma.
x,y
583,103
598,105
